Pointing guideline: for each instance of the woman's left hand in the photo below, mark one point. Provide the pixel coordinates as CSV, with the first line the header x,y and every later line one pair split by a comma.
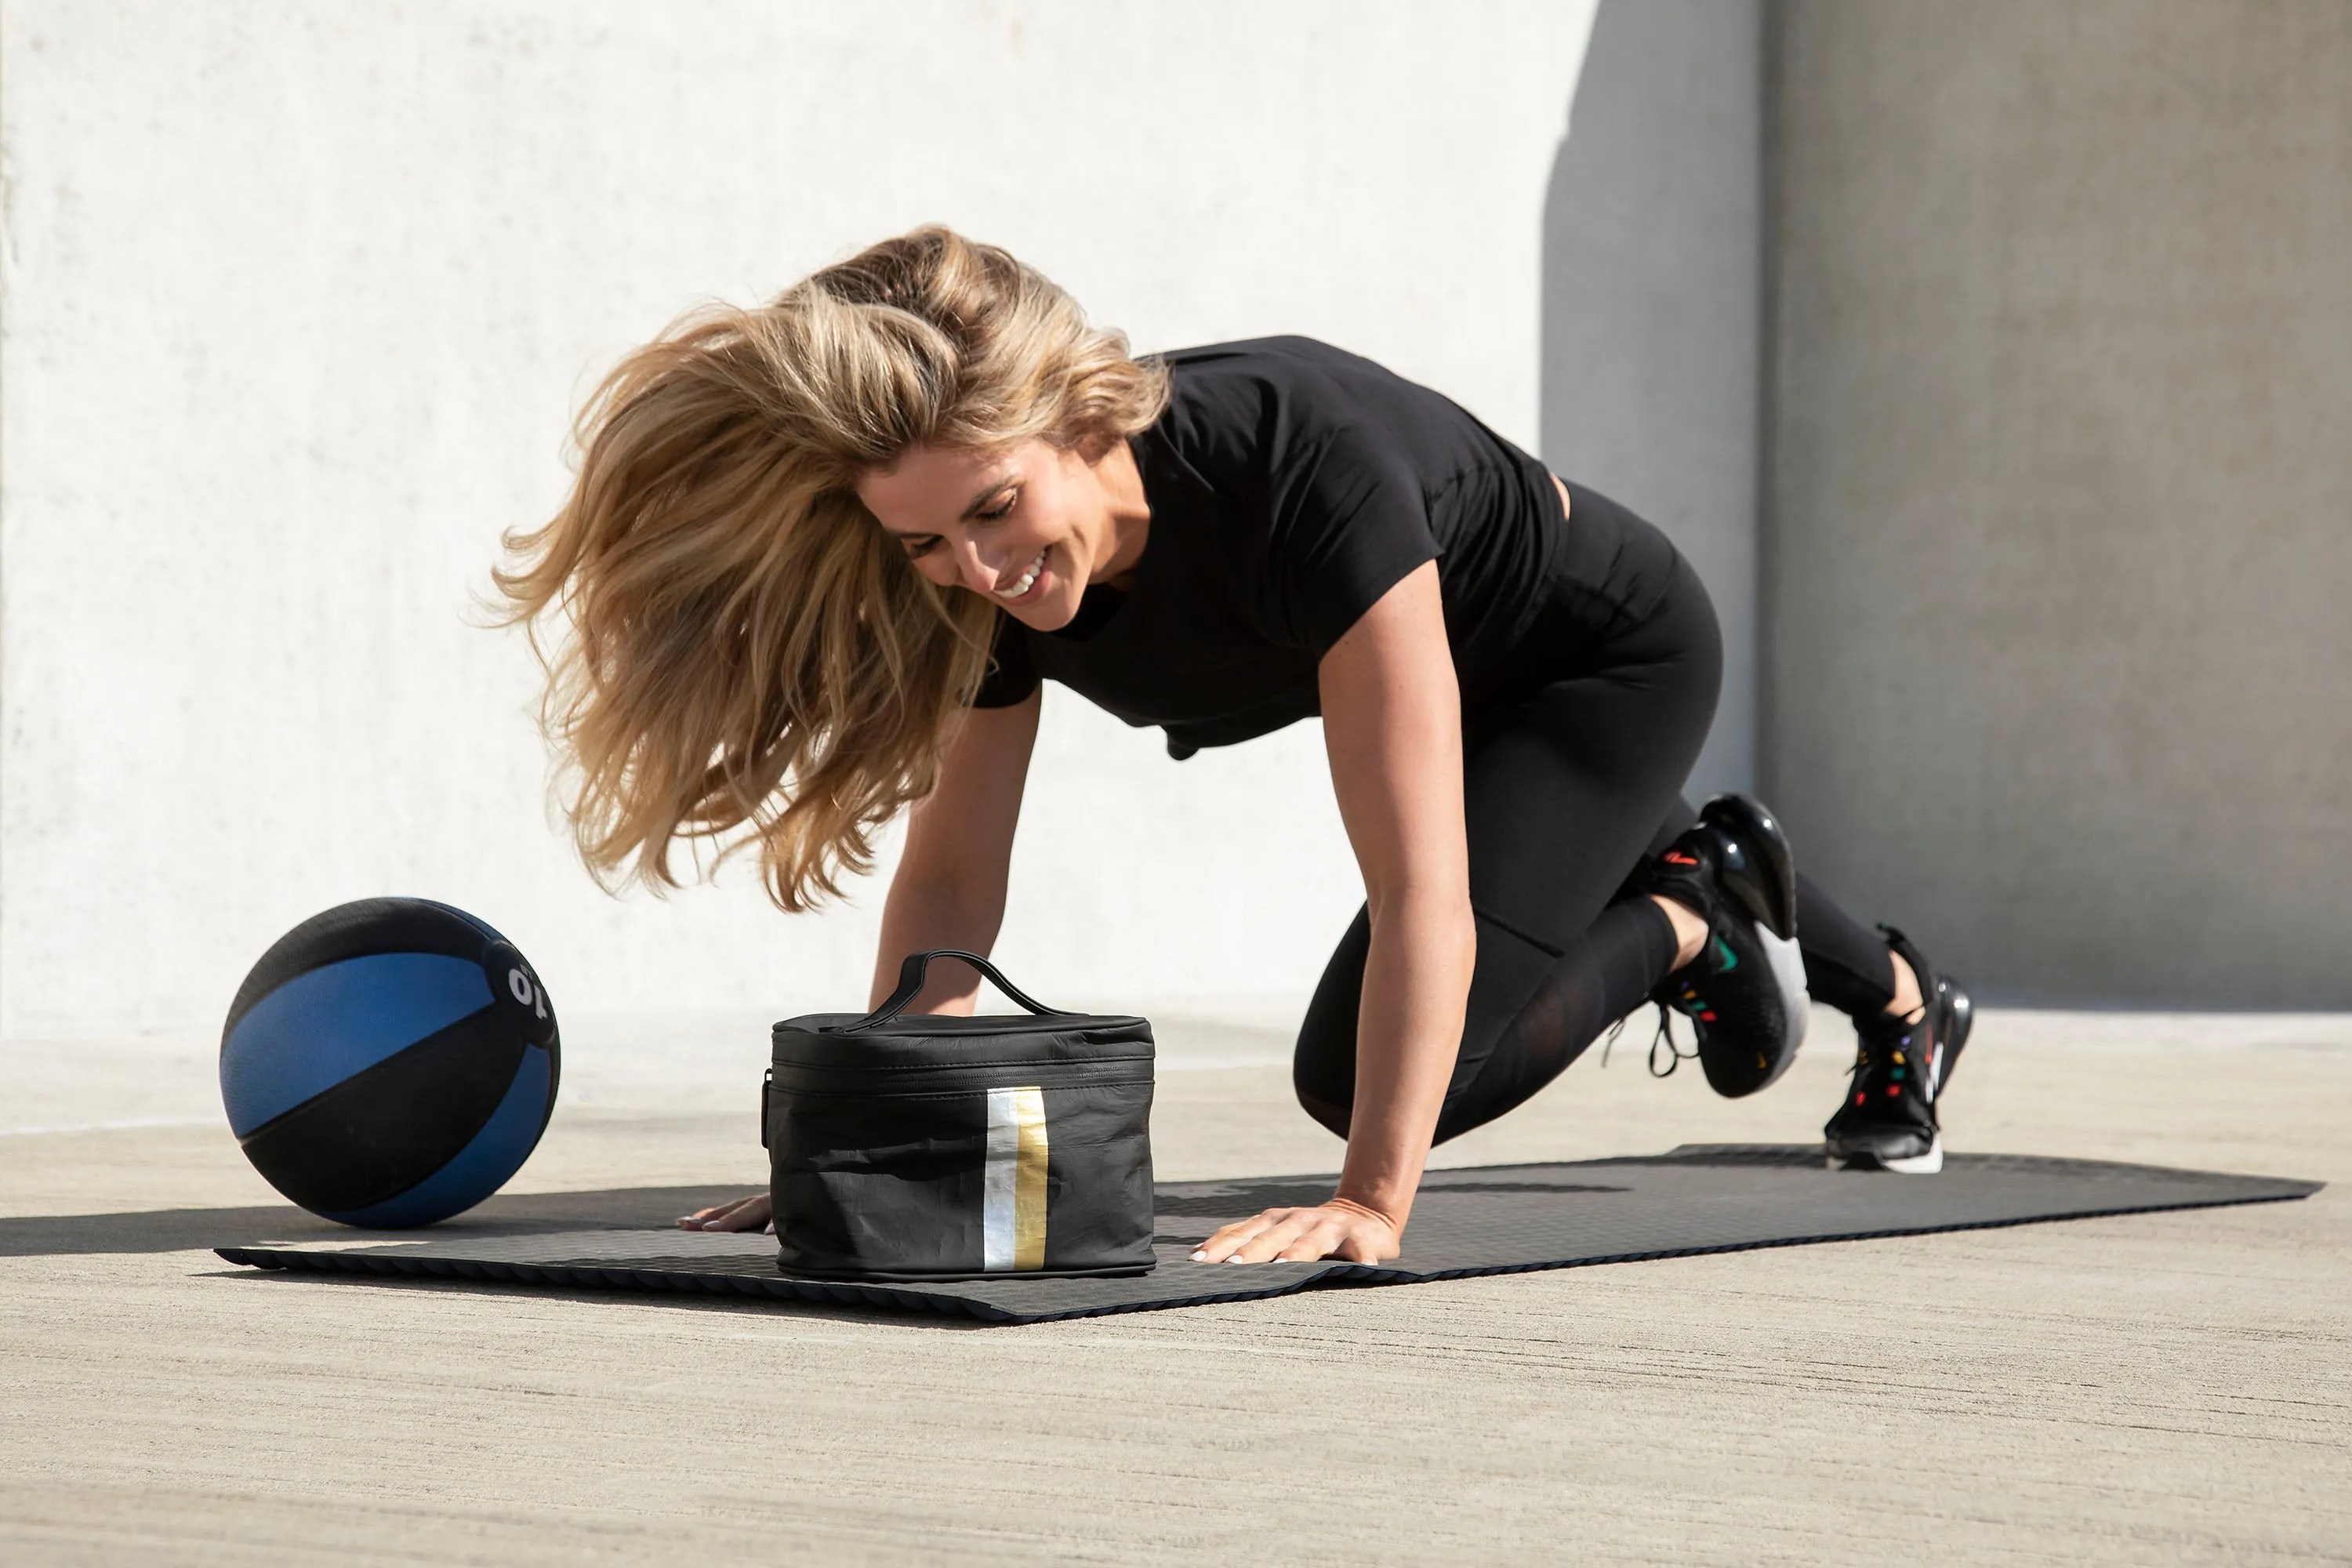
x,y
1340,1228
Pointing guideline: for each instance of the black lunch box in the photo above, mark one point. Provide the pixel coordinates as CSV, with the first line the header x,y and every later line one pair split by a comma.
x,y
911,1146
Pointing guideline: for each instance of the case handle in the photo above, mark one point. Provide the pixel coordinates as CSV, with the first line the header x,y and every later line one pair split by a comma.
x,y
910,982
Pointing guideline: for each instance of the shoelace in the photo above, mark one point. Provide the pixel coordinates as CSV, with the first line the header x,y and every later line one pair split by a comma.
x,y
1675,1056
1902,1063
1857,1075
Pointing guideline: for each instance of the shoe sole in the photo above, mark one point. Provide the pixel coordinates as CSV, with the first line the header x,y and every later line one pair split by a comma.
x,y
1959,1020
1797,1006
1927,1164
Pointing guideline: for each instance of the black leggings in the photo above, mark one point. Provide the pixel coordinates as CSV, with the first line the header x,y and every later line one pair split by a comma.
x,y
1572,773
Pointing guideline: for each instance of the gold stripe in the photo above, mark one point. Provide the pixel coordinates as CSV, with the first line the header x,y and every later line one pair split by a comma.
x,y
1029,1180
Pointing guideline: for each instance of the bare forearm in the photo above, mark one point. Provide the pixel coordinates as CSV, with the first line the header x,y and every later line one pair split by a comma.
x,y
1416,981
925,914
1393,724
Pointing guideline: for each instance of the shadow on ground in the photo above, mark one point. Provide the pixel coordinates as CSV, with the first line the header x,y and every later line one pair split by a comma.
x,y
507,1291
185,1230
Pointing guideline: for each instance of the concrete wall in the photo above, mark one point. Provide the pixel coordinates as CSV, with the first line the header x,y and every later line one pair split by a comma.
x,y
1653,307
294,302
2061,532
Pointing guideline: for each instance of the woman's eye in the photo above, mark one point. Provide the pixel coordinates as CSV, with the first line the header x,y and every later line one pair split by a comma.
x,y
1003,508
917,549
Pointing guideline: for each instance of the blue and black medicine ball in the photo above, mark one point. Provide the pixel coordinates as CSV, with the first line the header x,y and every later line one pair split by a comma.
x,y
389,1063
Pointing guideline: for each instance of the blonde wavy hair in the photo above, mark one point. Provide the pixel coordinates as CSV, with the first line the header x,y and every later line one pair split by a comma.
x,y
732,641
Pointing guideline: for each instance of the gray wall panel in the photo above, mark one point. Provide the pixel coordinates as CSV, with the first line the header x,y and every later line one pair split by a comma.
x,y
2060,538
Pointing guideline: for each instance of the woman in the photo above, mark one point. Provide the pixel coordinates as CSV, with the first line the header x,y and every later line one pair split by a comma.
x,y
820,555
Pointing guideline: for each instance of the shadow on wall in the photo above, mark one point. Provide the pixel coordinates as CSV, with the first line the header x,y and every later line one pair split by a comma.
x,y
1652,308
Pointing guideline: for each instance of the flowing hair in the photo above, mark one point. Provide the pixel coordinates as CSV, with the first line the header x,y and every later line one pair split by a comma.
x,y
738,644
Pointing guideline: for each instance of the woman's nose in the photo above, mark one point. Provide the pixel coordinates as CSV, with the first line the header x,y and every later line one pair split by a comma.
x,y
977,573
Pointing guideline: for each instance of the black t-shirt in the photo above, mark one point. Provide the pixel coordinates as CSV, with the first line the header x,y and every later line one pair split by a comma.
x,y
1291,484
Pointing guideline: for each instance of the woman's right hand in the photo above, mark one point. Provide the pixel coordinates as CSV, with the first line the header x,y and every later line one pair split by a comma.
x,y
754,1213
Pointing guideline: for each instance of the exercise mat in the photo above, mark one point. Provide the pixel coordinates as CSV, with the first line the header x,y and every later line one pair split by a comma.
x,y
1495,1219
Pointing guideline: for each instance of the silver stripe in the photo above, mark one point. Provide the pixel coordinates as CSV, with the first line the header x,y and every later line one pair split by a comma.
x,y
997,1206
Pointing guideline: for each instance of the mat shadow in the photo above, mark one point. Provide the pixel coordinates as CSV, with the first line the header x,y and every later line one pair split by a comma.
x,y
593,1296
190,1230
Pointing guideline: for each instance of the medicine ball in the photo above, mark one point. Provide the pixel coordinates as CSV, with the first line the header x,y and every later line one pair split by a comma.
x,y
389,1063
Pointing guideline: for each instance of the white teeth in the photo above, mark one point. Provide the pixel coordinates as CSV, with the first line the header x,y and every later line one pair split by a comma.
x,y
1028,579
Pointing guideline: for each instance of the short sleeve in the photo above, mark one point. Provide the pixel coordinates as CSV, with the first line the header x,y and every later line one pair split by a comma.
x,y
1012,674
1349,524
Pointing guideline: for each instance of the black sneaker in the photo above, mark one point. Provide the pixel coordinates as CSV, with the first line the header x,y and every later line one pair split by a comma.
x,y
1888,1122
1745,994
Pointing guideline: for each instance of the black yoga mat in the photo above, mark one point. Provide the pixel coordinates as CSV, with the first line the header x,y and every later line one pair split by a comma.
x,y
1495,1219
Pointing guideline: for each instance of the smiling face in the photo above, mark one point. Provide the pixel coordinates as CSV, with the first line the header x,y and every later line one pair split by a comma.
x,y
1029,528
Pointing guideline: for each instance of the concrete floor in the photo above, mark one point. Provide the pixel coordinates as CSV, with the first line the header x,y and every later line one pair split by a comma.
x,y
2162,1388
